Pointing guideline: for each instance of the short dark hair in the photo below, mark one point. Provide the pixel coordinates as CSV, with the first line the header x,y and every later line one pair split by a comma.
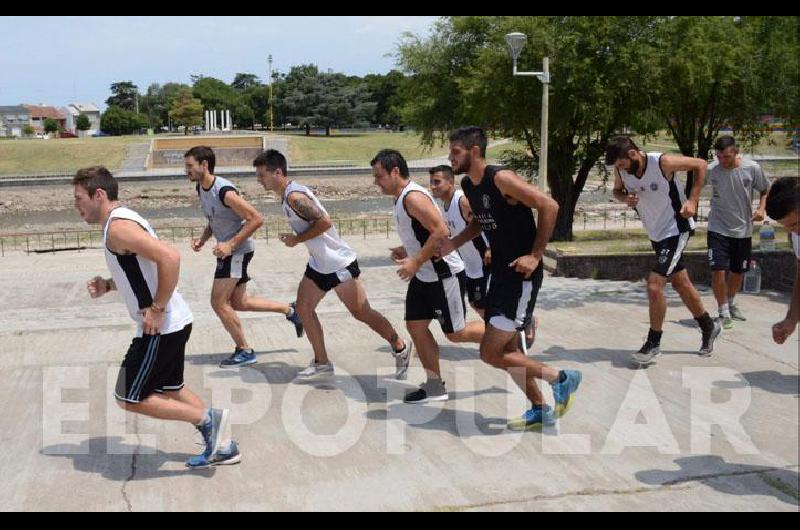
x,y
618,149
390,159
446,170
784,198
201,153
470,137
272,160
724,142
97,178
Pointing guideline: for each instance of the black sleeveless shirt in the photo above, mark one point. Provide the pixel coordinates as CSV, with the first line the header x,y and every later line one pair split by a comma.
x,y
511,230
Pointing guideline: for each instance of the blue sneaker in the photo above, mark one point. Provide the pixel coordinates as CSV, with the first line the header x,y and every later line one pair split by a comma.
x,y
239,358
564,393
536,418
212,431
227,457
294,318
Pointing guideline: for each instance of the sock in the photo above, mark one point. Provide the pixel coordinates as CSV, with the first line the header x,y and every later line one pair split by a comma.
x,y
731,299
705,322
654,337
725,310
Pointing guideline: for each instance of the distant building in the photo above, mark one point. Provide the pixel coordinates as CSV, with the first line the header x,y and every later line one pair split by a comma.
x,y
39,114
73,110
13,119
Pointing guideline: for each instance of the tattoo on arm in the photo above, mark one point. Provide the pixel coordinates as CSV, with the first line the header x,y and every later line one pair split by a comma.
x,y
306,209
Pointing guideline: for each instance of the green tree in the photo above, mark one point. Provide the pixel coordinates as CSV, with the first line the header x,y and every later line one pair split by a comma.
x,y
600,66
242,82
51,126
118,121
82,123
124,95
28,130
385,92
186,110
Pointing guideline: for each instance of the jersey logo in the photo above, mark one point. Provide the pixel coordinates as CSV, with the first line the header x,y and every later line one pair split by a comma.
x,y
487,203
653,187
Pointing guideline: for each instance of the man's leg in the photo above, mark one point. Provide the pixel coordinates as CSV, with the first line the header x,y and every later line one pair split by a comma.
x,y
221,295
166,408
354,297
308,298
691,298
657,300
240,301
427,347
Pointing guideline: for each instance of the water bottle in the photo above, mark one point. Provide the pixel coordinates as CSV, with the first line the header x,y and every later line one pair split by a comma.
x,y
752,279
767,236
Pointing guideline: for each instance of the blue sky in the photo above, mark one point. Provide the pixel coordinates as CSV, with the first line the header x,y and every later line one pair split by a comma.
x,y
59,60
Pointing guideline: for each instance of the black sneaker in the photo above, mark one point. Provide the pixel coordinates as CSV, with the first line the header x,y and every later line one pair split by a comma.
x,y
709,337
648,354
430,392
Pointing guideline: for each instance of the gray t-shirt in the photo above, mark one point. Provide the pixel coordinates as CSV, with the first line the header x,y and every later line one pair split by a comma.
x,y
224,222
732,203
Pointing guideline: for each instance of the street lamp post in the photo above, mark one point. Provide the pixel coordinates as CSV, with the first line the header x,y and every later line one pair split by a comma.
x,y
516,42
271,113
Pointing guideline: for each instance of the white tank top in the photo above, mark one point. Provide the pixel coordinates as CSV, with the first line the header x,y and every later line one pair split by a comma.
x,y
329,252
660,200
473,251
414,236
137,280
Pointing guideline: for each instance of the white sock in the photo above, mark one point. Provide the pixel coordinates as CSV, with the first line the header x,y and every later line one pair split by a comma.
x,y
206,418
725,310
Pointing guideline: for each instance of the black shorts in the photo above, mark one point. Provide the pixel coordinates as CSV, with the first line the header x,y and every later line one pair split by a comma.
x,y
329,282
729,253
442,301
153,364
234,267
476,291
670,254
512,299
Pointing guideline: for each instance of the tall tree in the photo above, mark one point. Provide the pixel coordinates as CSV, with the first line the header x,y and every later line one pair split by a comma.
x,y
124,95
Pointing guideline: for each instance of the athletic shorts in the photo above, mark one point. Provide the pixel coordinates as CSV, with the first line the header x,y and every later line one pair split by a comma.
x,y
329,282
729,253
511,299
442,301
153,364
234,267
670,254
476,291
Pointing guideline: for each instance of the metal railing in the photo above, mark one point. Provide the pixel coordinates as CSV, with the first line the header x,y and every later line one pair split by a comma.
x,y
78,240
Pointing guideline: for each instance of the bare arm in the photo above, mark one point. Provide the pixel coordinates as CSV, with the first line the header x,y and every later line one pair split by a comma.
x,y
783,330
308,210
671,163
127,237
421,208
253,220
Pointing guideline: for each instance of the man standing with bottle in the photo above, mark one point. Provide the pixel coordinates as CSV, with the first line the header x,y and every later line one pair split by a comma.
x,y
730,223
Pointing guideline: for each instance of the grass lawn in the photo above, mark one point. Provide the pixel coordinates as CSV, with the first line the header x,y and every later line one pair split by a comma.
x,y
358,149
22,157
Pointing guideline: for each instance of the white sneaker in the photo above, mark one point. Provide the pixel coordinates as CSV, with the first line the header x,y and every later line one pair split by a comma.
x,y
316,371
402,360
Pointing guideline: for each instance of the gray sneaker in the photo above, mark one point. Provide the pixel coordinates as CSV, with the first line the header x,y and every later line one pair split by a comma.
x,y
431,391
402,361
736,314
709,337
316,371
647,355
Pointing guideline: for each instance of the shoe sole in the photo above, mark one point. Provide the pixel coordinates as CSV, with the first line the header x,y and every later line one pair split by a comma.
x,y
320,377
648,362
436,399
524,427
246,363
561,410
229,462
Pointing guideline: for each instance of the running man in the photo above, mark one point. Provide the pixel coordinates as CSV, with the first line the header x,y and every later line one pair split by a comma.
x,y
648,183
730,223
502,205
783,205
437,284
476,254
333,266
145,271
232,221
